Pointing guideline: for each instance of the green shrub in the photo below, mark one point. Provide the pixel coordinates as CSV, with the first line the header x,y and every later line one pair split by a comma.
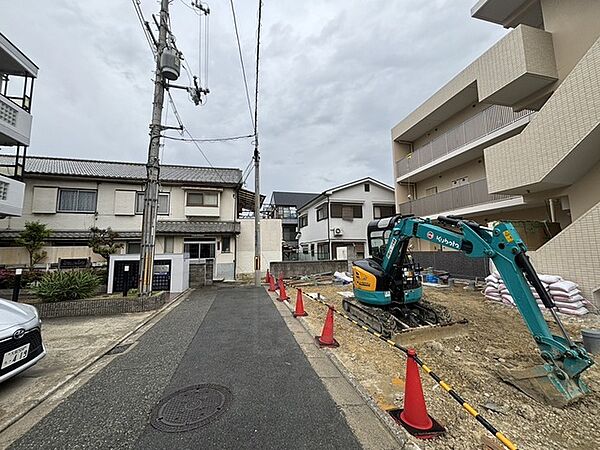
x,y
67,285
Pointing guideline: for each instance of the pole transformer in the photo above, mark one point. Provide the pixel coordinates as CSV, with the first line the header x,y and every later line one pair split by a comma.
x,y
153,165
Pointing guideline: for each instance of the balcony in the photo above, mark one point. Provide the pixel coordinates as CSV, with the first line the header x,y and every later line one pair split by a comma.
x,y
469,195
15,123
485,128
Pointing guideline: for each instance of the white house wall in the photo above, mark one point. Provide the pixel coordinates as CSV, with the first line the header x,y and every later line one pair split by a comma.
x,y
270,239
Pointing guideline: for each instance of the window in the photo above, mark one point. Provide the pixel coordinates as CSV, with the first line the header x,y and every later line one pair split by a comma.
x,y
305,249
134,247
367,187
346,211
381,211
77,200
163,203
225,244
202,199
286,212
323,251
312,249
303,221
200,249
430,191
289,233
322,213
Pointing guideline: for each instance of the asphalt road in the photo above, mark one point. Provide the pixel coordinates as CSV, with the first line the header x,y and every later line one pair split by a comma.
x,y
232,337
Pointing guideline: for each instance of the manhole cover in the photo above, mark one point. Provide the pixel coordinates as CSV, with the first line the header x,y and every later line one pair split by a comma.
x,y
190,408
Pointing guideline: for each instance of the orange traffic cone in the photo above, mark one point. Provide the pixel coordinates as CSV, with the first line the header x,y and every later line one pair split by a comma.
x,y
267,277
414,415
272,287
299,305
326,339
282,294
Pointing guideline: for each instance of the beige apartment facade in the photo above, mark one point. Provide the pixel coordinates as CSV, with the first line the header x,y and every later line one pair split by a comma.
x,y
199,210
516,135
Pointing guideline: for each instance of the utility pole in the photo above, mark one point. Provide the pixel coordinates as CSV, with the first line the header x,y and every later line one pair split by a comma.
x,y
257,246
153,165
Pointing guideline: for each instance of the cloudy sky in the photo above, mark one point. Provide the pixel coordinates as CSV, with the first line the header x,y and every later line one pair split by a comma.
x,y
335,77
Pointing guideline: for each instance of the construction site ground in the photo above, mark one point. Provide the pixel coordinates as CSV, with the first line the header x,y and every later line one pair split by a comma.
x,y
467,357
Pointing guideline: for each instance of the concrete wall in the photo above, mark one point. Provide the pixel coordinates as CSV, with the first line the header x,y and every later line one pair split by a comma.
x,y
575,254
271,237
299,268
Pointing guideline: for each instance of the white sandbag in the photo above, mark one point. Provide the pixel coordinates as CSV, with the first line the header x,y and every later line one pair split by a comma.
x,y
505,291
491,278
501,286
549,279
564,286
493,298
490,290
494,285
565,295
574,305
574,312
567,298
507,299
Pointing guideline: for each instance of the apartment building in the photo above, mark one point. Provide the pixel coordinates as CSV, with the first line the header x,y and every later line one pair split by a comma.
x,y
284,206
17,73
198,212
333,225
516,135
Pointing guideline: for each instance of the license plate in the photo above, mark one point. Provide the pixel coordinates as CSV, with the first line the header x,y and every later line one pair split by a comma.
x,y
14,356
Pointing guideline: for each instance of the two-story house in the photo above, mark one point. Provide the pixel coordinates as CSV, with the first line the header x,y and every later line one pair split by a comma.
x,y
284,206
515,135
333,225
17,73
198,211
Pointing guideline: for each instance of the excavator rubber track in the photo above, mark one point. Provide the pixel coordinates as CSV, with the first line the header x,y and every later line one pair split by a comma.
x,y
398,319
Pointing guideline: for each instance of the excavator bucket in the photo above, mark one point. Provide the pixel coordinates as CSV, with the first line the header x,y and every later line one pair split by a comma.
x,y
544,385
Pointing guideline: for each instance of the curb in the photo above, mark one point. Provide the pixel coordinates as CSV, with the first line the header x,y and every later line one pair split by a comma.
x,y
93,359
403,439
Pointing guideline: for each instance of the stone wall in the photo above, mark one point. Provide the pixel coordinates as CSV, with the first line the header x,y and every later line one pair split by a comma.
x,y
101,306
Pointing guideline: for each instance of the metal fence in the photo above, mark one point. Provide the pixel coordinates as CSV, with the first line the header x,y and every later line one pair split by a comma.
x,y
481,124
474,193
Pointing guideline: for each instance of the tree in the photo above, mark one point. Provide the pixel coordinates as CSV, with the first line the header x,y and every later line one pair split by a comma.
x,y
103,241
32,238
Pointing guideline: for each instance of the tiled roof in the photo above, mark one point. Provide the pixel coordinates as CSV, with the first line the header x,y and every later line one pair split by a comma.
x,y
69,235
125,170
162,227
191,226
296,199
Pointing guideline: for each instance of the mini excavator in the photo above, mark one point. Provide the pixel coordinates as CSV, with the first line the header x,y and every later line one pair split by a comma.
x,y
388,294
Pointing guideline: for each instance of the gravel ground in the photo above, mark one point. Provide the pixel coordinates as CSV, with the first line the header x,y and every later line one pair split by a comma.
x,y
495,336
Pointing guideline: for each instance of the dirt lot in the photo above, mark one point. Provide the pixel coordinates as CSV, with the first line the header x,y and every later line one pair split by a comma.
x,y
494,337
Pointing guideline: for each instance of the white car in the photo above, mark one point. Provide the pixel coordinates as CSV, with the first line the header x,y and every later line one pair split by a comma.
x,y
20,338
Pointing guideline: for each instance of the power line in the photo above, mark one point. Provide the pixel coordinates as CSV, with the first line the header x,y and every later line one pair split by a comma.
x,y
144,23
239,46
219,139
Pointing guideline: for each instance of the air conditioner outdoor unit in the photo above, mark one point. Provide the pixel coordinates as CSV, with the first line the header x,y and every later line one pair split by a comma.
x,y
338,232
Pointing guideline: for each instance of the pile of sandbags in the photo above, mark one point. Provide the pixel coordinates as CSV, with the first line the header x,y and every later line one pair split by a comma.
x,y
565,293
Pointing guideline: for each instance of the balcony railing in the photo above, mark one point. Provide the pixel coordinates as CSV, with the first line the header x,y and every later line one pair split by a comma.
x,y
471,194
478,126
